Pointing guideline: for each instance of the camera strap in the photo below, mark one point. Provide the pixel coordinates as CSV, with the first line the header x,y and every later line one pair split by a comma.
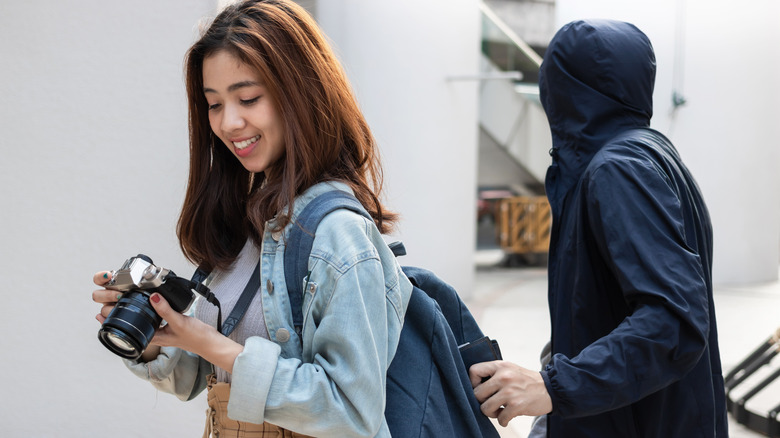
x,y
242,304
196,284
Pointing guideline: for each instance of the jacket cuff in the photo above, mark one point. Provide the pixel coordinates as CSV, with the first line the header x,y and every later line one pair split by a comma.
x,y
253,372
158,369
548,375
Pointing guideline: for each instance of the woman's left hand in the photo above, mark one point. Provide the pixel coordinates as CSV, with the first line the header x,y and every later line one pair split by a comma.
x,y
193,335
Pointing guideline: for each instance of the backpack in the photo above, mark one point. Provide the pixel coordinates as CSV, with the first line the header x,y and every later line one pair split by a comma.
x,y
428,390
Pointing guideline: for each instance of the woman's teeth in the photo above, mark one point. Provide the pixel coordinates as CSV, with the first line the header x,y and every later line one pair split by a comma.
x,y
245,143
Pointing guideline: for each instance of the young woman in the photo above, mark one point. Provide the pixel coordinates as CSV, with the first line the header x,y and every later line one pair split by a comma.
x,y
273,124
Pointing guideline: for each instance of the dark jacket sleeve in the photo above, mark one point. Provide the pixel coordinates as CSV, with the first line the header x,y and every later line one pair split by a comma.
x,y
636,223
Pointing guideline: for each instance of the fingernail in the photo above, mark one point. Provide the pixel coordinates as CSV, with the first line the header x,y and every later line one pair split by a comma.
x,y
156,298
118,297
105,275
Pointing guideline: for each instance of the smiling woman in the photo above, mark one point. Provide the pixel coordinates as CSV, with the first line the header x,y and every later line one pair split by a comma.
x,y
324,133
274,124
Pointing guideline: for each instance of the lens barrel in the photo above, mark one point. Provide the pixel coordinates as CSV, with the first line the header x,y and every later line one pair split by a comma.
x,y
130,326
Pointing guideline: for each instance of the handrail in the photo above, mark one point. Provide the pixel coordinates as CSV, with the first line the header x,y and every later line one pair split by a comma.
x,y
522,45
514,75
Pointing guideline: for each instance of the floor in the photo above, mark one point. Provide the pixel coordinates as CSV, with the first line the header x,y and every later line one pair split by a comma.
x,y
511,305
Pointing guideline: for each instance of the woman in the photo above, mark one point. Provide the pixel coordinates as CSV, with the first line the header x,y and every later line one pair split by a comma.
x,y
273,124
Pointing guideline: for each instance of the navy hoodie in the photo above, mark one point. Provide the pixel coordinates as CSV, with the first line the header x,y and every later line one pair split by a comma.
x,y
634,339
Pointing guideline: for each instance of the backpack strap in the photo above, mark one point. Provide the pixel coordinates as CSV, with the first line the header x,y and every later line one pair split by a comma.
x,y
301,239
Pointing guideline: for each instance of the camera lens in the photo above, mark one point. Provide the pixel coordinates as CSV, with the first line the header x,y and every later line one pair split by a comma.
x,y
130,326
119,342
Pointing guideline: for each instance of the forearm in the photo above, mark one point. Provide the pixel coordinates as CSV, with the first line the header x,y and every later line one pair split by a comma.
x,y
173,370
343,380
647,352
306,397
218,350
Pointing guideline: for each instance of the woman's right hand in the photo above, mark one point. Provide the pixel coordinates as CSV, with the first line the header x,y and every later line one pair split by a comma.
x,y
106,297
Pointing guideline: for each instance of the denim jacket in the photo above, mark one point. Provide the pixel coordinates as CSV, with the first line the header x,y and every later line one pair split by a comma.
x,y
330,380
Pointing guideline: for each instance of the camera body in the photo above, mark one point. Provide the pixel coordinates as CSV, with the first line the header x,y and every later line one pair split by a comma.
x,y
139,273
130,326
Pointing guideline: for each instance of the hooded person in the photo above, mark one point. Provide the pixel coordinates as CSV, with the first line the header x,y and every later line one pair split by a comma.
x,y
633,332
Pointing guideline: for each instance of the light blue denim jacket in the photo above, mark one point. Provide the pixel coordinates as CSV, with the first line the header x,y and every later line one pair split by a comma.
x,y
332,384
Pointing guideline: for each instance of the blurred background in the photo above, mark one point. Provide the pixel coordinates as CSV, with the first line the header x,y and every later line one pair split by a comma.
x,y
95,161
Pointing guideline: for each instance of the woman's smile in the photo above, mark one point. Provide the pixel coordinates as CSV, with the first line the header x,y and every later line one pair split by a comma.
x,y
245,147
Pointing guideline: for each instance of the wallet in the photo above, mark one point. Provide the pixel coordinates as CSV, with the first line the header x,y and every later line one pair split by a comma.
x,y
483,349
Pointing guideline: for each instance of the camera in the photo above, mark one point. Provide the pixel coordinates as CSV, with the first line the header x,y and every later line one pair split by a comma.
x,y
130,326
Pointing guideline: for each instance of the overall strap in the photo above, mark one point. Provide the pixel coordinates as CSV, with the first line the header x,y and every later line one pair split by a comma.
x,y
301,239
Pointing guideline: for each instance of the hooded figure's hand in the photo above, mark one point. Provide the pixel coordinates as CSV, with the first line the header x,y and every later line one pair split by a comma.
x,y
509,391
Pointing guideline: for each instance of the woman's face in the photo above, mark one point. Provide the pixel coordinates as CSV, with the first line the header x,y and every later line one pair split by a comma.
x,y
241,112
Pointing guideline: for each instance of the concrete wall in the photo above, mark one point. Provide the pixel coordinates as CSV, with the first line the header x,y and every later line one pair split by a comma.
x,y
722,56
93,171
399,56
94,168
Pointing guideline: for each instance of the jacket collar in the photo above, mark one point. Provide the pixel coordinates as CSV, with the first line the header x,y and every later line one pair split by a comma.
x,y
309,194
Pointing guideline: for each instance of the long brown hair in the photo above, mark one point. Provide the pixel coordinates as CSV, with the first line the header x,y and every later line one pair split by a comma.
x,y
326,136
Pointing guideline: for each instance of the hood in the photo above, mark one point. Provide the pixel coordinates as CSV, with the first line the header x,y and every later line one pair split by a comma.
x,y
596,81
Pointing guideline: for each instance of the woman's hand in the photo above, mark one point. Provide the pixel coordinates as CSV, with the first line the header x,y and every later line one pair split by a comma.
x,y
181,331
193,335
107,298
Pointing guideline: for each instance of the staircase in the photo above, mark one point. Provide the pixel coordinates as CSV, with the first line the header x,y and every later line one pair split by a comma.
x,y
514,135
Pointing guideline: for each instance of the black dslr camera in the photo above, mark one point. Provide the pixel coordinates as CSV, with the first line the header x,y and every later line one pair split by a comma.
x,y
131,325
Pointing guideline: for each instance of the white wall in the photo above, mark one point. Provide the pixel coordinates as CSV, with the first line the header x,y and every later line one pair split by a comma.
x,y
94,169
398,56
728,131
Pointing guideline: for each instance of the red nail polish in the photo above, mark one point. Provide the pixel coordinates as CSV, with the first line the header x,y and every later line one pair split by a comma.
x,y
155,298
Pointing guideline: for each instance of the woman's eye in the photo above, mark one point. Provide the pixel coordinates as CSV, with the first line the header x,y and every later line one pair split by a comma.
x,y
249,101
212,107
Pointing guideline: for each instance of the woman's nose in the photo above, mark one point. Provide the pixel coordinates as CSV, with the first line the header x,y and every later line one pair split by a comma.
x,y
232,119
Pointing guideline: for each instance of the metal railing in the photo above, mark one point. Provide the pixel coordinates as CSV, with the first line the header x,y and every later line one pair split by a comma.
x,y
505,49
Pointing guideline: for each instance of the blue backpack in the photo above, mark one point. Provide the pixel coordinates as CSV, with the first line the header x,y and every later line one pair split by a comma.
x,y
429,393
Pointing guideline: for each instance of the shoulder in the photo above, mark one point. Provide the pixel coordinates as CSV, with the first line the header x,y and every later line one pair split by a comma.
x,y
637,158
344,238
344,226
634,178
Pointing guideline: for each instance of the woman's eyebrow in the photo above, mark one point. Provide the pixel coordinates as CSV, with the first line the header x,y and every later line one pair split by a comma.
x,y
234,87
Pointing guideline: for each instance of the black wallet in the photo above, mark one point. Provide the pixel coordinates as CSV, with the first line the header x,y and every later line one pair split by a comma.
x,y
483,349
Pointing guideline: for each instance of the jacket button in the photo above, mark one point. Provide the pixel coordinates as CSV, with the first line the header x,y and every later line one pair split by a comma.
x,y
282,335
276,235
269,285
